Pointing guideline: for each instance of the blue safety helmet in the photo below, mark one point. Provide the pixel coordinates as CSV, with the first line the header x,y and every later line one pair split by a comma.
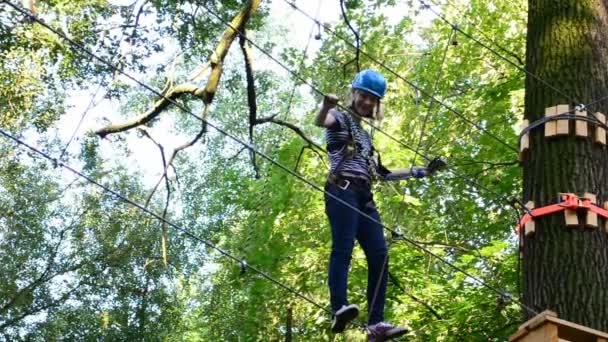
x,y
370,81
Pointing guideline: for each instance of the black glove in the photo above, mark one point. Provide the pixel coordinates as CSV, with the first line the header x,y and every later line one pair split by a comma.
x,y
436,164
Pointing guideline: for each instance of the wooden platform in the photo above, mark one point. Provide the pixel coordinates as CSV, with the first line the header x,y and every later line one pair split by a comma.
x,y
546,327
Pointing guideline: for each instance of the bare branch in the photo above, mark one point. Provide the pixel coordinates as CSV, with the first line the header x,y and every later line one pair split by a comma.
x,y
155,111
35,310
237,154
205,94
251,97
291,126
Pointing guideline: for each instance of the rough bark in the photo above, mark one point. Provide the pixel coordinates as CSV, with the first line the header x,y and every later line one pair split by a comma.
x,y
566,269
251,97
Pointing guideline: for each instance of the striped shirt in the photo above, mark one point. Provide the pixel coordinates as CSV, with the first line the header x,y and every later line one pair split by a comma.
x,y
340,144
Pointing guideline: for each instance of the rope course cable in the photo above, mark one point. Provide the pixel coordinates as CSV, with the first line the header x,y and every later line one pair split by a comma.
x,y
433,91
304,53
315,89
238,140
394,73
355,33
142,208
466,16
468,180
480,43
99,87
384,263
81,121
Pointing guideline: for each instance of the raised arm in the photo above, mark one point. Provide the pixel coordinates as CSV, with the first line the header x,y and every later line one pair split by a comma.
x,y
324,118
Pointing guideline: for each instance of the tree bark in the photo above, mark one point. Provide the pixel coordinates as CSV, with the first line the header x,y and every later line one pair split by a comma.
x,y
566,269
289,325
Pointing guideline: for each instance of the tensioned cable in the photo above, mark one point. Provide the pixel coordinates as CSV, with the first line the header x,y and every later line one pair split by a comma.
x,y
413,85
82,117
523,69
470,22
355,33
440,71
410,83
304,53
262,154
480,43
92,101
433,92
594,102
141,207
315,89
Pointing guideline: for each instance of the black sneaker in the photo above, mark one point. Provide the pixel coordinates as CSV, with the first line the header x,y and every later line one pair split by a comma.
x,y
343,316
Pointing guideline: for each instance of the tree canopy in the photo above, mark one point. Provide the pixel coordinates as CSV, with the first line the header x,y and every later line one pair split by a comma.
x,y
79,262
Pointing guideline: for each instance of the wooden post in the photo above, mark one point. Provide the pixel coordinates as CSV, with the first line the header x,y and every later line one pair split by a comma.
x,y
530,226
524,144
581,126
546,327
591,220
562,125
550,126
600,132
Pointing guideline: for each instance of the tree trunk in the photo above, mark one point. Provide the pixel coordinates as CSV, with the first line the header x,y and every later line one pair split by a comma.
x,y
566,269
289,324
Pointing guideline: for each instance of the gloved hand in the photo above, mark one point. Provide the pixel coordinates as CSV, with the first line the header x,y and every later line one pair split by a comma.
x,y
439,163
419,172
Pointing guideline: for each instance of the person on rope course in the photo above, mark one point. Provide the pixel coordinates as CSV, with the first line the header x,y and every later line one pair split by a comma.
x,y
354,164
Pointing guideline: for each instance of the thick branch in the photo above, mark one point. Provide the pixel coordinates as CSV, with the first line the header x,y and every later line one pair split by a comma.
x,y
291,126
153,112
251,97
205,94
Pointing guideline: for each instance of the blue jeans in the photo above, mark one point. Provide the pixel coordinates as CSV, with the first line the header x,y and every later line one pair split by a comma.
x,y
346,225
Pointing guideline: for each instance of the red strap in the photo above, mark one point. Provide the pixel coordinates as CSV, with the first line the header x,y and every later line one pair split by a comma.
x,y
569,201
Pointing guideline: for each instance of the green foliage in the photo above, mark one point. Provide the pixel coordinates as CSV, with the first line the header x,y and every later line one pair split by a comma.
x,y
85,265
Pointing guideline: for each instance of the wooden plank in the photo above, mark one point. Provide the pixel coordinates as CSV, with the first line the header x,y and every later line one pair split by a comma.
x,y
550,126
518,335
524,144
530,227
546,327
525,140
571,217
544,333
600,132
538,319
581,126
591,219
577,327
562,125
